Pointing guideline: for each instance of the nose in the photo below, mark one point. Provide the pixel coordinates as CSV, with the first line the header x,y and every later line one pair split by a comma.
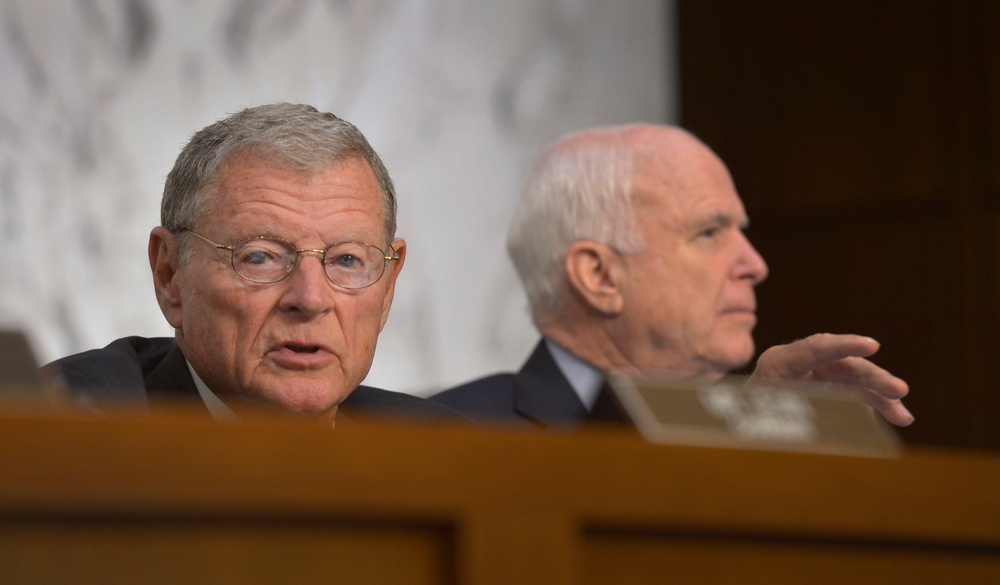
x,y
307,289
750,264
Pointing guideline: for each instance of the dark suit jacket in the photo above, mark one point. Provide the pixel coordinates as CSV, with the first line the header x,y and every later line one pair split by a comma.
x,y
149,373
538,394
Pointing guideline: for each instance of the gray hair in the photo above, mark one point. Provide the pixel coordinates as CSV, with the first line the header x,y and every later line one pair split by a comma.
x,y
295,136
581,189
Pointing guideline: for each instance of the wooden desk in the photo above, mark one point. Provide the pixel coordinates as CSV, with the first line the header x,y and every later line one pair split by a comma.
x,y
179,500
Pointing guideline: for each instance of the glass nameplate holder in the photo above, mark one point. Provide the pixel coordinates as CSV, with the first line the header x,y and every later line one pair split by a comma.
x,y
739,412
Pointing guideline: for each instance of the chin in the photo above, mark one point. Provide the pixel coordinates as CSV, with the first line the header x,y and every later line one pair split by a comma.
x,y
735,356
306,398
743,359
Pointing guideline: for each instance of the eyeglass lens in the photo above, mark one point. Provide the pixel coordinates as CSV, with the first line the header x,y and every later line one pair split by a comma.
x,y
349,264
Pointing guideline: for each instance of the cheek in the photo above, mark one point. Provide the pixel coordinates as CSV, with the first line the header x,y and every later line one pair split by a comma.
x,y
360,320
675,293
221,313
684,306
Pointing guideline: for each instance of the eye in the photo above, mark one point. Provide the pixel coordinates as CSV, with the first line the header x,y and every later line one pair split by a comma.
x,y
710,233
346,261
259,253
348,258
257,258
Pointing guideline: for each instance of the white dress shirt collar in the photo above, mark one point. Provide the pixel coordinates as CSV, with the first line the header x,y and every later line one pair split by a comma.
x,y
215,404
585,379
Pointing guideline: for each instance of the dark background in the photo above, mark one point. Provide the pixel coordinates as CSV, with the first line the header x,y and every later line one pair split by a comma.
x,y
863,137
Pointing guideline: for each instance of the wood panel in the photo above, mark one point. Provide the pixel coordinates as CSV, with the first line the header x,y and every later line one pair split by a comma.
x,y
182,499
624,559
214,550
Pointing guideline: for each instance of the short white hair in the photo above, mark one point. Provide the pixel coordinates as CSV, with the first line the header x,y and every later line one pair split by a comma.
x,y
581,189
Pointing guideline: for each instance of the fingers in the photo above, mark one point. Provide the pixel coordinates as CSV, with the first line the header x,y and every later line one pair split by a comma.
x,y
799,358
856,371
839,359
891,409
880,389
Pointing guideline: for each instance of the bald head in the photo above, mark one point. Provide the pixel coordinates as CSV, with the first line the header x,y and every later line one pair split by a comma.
x,y
667,143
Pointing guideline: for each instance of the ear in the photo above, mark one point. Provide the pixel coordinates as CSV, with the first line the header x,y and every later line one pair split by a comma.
x,y
594,271
392,272
165,264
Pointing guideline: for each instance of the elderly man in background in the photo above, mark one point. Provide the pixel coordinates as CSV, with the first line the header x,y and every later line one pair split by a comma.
x,y
629,242
275,264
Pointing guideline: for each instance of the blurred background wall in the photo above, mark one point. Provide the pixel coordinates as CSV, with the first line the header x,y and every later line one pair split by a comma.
x,y
98,96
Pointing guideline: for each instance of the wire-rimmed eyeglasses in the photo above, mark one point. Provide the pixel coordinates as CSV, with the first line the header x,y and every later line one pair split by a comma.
x,y
266,260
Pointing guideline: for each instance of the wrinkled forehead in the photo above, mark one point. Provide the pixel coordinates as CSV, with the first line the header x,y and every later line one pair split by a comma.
x,y
346,184
249,166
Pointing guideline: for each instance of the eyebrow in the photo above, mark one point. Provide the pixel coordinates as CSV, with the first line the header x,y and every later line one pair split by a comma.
x,y
720,218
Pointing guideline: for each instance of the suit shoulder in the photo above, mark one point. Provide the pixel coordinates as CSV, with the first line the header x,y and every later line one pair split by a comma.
x,y
369,401
485,396
117,367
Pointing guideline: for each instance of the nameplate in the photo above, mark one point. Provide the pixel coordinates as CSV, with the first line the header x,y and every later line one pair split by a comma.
x,y
740,413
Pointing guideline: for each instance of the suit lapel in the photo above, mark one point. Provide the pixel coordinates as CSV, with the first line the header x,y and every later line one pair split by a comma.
x,y
543,394
169,381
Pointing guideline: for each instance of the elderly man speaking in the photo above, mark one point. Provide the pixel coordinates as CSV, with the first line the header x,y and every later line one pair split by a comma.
x,y
275,264
629,242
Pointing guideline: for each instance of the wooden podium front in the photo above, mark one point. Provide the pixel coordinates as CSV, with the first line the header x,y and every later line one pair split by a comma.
x,y
180,500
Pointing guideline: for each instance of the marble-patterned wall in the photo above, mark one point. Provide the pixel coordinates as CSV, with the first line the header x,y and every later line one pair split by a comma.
x,y
98,96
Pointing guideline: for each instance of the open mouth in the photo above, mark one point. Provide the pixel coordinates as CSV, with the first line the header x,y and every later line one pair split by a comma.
x,y
303,348
297,356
